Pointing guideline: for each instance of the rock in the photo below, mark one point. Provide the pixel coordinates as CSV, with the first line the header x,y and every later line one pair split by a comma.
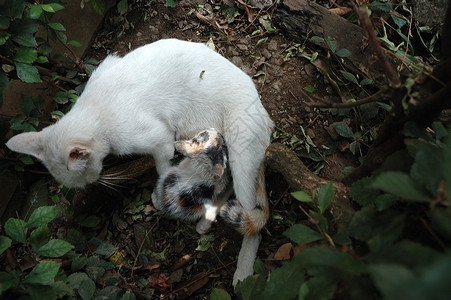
x,y
310,70
429,12
266,53
261,3
242,47
273,45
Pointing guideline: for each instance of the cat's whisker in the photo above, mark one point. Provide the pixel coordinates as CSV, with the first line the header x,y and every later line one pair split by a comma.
x,y
109,184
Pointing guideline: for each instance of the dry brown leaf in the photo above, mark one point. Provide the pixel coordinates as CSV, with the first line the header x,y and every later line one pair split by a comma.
x,y
180,262
195,283
340,10
249,11
284,252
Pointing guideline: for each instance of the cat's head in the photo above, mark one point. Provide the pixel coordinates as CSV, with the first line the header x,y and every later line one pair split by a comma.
x,y
210,144
73,162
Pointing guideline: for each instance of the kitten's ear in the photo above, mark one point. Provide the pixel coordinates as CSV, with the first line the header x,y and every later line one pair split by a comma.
x,y
78,158
188,148
28,143
218,169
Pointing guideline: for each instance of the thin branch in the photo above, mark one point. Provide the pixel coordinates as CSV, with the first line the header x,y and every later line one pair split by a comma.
x,y
366,24
384,92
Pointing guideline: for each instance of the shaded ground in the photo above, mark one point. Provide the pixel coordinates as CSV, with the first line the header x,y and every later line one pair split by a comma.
x,y
176,251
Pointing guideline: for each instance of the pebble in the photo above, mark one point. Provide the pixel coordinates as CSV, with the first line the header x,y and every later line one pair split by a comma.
x,y
242,47
266,54
272,45
310,70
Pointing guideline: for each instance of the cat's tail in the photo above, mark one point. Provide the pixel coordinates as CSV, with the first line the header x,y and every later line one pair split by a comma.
x,y
244,221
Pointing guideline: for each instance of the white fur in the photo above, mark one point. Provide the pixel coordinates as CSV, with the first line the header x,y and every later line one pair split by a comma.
x,y
144,101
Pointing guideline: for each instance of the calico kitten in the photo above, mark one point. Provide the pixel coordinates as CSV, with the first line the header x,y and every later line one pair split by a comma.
x,y
141,103
193,189
201,184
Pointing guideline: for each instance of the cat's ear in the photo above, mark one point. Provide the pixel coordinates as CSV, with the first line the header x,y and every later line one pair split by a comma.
x,y
188,148
78,158
28,143
218,169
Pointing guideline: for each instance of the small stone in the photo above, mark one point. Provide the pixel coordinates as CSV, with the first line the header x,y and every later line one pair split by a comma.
x,y
242,47
266,53
272,45
310,133
310,70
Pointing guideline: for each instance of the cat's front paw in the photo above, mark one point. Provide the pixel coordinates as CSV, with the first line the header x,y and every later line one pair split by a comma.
x,y
155,201
203,226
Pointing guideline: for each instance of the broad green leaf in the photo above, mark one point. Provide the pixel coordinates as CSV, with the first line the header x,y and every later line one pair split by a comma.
x,y
400,22
16,230
25,39
35,11
42,59
8,280
343,52
389,278
56,6
316,39
87,289
40,292
61,97
16,8
399,184
47,8
57,26
366,81
39,237
259,267
5,243
106,249
54,248
332,44
4,22
325,196
302,196
349,76
302,234
122,7
74,43
343,130
25,104
95,271
78,263
284,282
27,73
219,294
319,287
75,279
4,36
251,288
43,273
129,296
42,215
427,167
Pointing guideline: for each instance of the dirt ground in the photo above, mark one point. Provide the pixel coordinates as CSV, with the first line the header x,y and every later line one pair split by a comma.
x,y
193,273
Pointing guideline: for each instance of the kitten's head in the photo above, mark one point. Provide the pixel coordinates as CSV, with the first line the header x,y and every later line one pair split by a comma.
x,y
209,144
73,162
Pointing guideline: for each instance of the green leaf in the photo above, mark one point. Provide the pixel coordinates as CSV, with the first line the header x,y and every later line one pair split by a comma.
x,y
54,248
309,89
5,243
8,280
57,26
61,97
399,184
40,292
74,43
75,279
400,22
318,288
343,130
27,73
439,130
284,282
47,8
316,39
219,294
25,104
43,273
332,44
128,296
122,7
4,36
349,76
390,277
87,289
95,271
251,288
39,237
42,215
99,6
25,39
15,229
343,52
325,196
42,59
35,11
366,81
16,8
302,234
427,167
106,249
4,82
302,196
170,3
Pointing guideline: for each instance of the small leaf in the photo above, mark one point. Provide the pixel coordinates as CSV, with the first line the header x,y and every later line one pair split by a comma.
x,y
87,289
57,26
25,104
349,76
54,248
5,243
42,215
366,81
399,184
343,52
35,11
74,43
99,6
25,39
332,44
302,234
47,8
106,249
344,130
309,89
122,7
27,73
43,273
316,39
170,3
302,196
400,22
325,196
128,296
219,294
8,280
15,229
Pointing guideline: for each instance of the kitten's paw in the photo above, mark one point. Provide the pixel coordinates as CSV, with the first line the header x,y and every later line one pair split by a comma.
x,y
203,226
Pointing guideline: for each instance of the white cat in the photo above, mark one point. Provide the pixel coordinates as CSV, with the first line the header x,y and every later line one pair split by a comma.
x,y
141,103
